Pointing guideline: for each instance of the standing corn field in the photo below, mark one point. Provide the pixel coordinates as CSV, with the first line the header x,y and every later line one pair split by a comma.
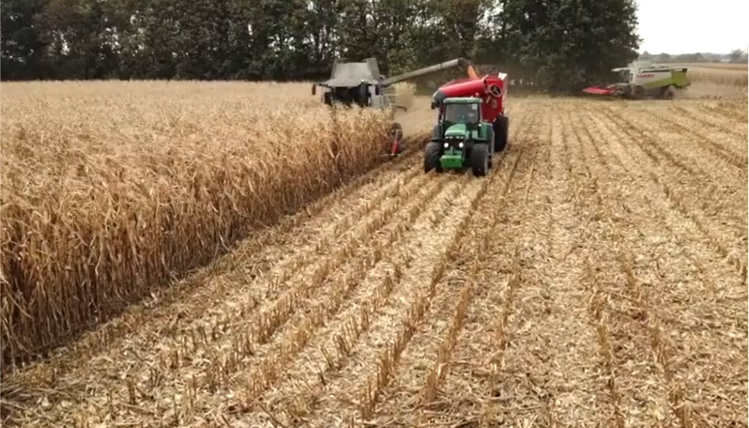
x,y
107,193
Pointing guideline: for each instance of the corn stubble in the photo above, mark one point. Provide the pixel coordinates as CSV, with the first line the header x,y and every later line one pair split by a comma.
x,y
109,189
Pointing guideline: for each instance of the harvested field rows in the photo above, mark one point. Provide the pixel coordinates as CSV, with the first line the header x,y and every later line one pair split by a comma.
x,y
597,277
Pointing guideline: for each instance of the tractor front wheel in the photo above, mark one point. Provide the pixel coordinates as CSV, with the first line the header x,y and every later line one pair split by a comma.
x,y
501,128
432,157
480,159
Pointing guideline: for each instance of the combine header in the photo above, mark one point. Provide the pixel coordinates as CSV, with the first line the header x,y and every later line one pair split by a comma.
x,y
360,83
472,124
645,80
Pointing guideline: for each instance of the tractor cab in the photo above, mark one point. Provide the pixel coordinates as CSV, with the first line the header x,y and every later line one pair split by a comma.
x,y
458,115
462,111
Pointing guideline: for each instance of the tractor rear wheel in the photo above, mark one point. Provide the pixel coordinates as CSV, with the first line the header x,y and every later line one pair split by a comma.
x,y
432,154
480,159
501,127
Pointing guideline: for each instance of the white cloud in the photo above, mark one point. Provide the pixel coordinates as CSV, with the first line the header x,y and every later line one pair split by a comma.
x,y
688,26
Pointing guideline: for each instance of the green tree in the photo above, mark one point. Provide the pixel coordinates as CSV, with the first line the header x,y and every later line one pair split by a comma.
x,y
565,44
23,48
385,29
558,43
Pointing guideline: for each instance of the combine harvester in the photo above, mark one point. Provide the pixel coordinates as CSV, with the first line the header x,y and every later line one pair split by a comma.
x,y
360,83
642,80
472,124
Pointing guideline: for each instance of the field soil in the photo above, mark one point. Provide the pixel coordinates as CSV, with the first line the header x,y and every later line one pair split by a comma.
x,y
596,278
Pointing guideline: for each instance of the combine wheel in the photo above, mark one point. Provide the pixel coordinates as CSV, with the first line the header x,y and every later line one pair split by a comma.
x,y
669,92
480,159
501,127
432,157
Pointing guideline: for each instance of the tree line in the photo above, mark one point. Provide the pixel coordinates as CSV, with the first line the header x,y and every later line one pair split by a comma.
x,y
734,57
561,44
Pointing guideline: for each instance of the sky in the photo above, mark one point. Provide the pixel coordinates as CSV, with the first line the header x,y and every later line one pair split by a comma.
x,y
689,26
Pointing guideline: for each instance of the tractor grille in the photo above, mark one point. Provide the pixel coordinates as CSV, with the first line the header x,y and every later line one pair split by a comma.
x,y
454,142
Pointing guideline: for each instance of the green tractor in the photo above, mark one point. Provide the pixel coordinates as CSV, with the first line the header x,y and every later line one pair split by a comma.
x,y
461,138
472,124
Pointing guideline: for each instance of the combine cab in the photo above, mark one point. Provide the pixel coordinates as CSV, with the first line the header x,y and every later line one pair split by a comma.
x,y
645,80
472,125
361,84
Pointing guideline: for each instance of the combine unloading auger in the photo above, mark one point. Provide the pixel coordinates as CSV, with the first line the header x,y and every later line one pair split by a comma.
x,y
458,62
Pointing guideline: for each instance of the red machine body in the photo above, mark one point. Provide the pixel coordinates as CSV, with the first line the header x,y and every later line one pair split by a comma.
x,y
491,88
600,90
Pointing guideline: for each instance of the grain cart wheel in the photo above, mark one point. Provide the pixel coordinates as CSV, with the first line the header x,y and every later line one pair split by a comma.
x,y
432,154
480,159
501,127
